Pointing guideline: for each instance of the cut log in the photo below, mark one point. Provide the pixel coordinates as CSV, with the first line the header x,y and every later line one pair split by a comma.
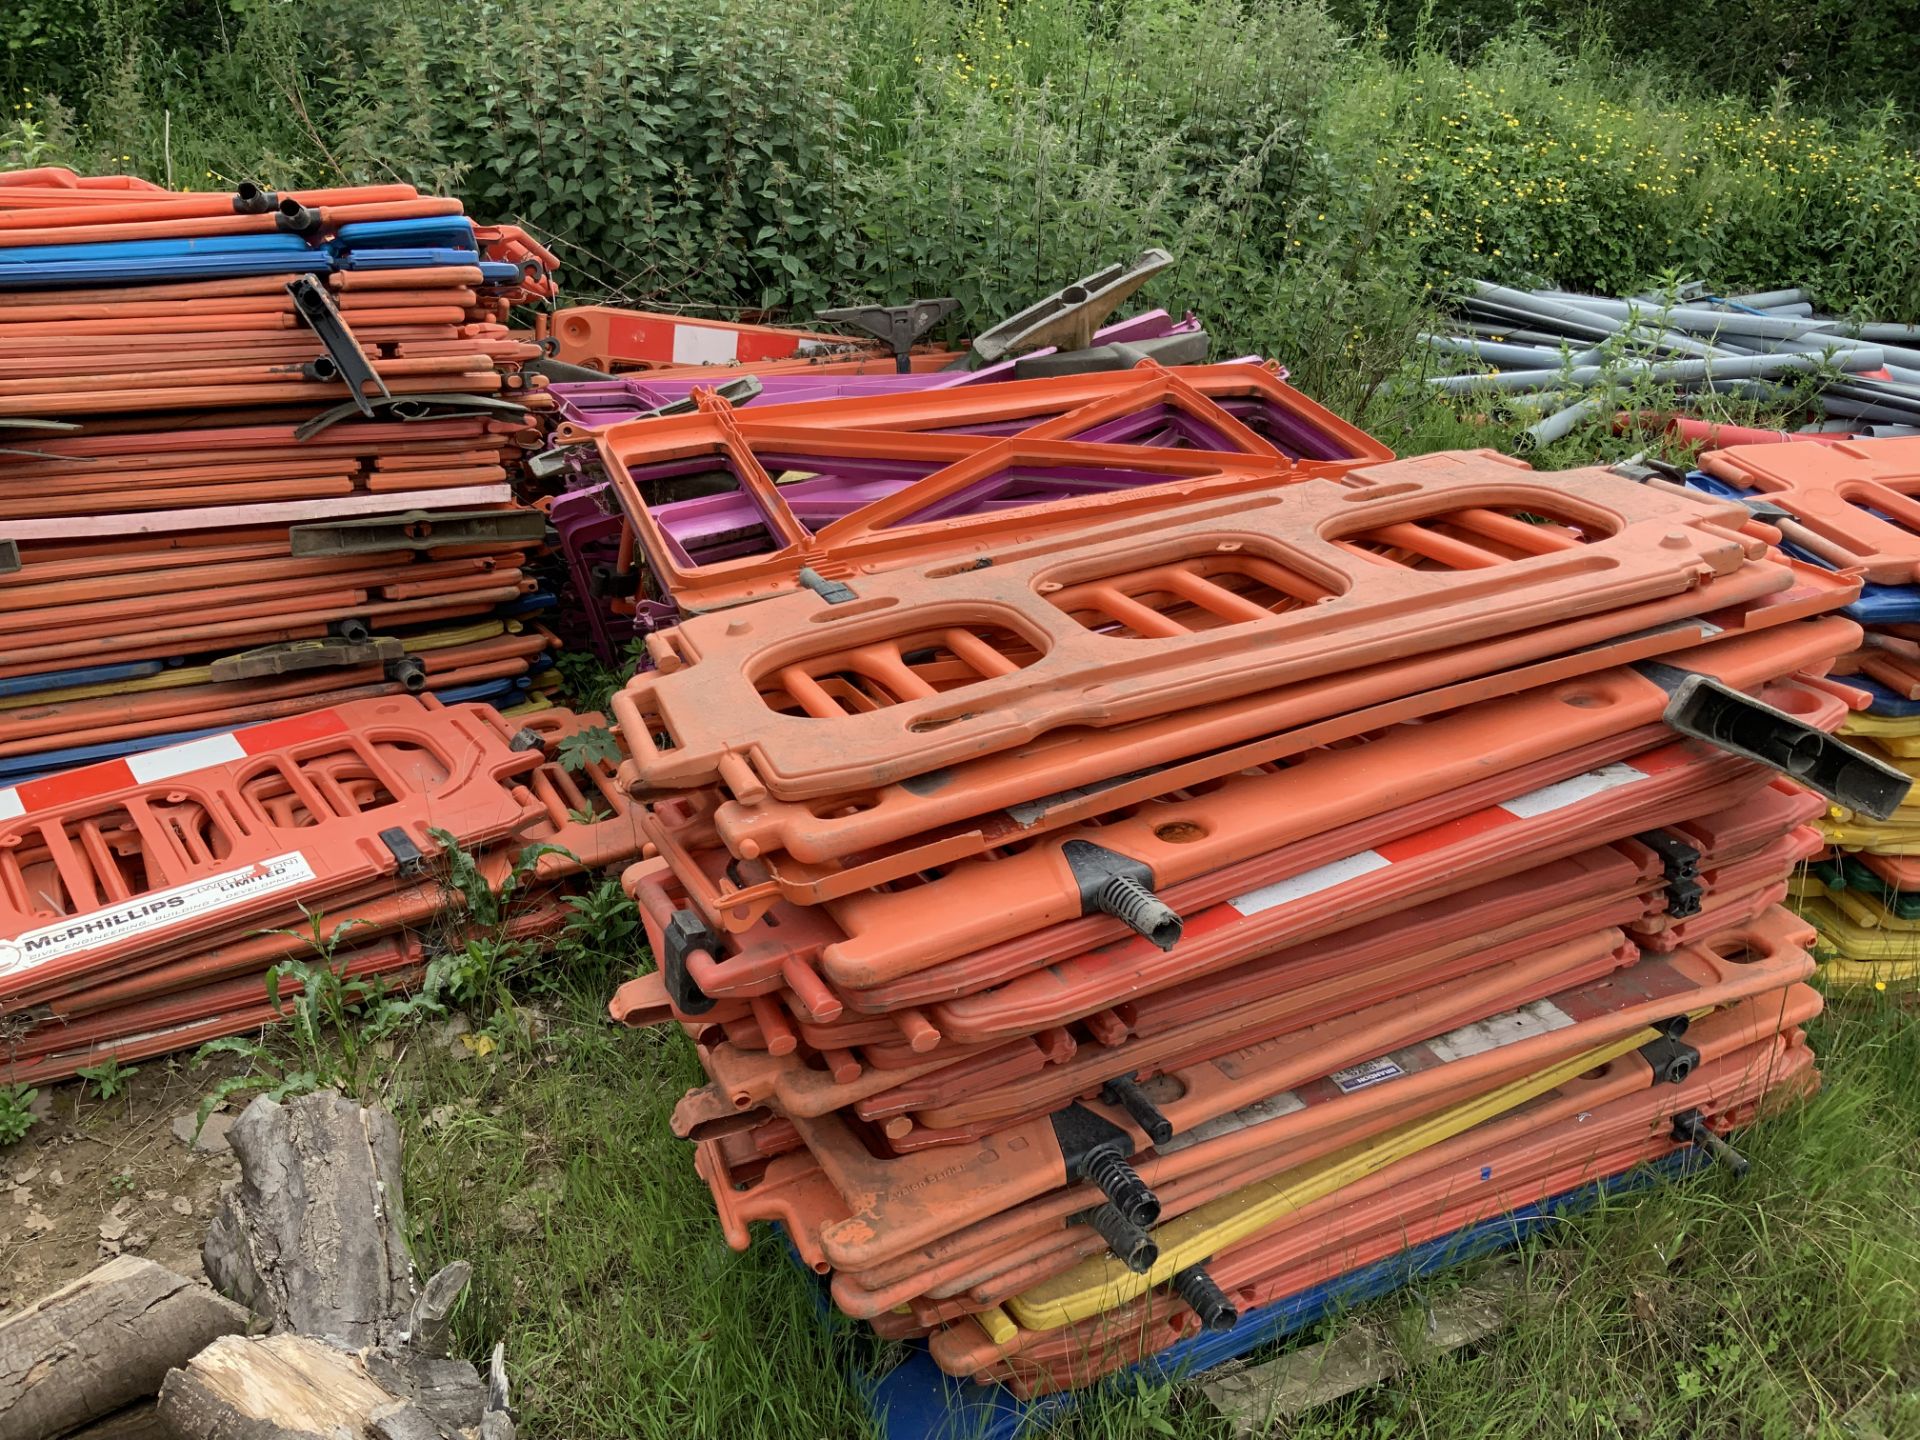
x,y
277,1387
135,1422
101,1343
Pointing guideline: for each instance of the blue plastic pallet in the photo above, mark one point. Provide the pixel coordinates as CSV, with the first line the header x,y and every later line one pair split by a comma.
x,y
1885,701
919,1401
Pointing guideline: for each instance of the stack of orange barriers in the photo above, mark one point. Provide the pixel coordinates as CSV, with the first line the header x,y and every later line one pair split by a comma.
x,y
1100,920
1849,505
143,900
262,453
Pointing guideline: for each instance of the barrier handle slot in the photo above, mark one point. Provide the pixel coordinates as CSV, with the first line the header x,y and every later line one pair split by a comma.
x,y
1125,1092
1671,1060
1132,1246
1207,1300
1118,885
684,934
1707,709
1094,1148
316,307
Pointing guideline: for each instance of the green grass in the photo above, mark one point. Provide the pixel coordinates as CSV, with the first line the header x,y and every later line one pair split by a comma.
x,y
1780,1305
596,1254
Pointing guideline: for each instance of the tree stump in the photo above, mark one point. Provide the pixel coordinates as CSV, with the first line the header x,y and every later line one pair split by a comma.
x,y
312,1238
311,1235
102,1343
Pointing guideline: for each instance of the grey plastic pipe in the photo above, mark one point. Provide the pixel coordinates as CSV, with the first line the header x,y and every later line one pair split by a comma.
x,y
1888,334
1838,345
1711,322
1558,425
1494,352
1747,367
1585,315
1861,410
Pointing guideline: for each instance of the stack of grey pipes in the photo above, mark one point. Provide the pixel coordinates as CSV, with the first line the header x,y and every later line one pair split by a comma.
x,y
1560,355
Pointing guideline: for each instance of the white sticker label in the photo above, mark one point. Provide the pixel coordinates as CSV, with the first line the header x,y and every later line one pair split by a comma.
x,y
158,911
1538,1018
1245,1118
184,759
703,345
11,805
1562,793
1309,882
1371,1072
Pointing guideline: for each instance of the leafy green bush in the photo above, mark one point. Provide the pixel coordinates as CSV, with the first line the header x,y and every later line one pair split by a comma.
x,y
673,150
1520,166
1320,191
1835,53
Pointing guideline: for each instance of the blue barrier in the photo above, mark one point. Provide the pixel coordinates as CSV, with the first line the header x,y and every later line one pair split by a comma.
x,y
88,675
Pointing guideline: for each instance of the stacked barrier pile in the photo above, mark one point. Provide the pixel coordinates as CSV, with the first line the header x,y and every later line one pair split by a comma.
x,y
596,539
1848,506
144,900
258,455
1136,856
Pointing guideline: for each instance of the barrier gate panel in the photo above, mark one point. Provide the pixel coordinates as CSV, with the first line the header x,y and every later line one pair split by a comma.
x,y
975,1253
746,1079
844,438
729,898
911,1200
1758,1066
976,903
1298,1257
818,712
99,866
1854,501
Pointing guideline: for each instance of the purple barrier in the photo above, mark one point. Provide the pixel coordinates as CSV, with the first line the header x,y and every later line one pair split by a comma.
x,y
595,404
708,516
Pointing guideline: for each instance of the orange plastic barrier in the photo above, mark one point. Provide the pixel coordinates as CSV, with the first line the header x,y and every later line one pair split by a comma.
x,y
931,435
808,699
977,1254
892,1205
1854,501
1325,1240
609,338
107,865
1078,773
1585,738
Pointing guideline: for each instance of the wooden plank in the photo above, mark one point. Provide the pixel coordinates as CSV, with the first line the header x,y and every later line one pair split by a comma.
x,y
1253,1397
